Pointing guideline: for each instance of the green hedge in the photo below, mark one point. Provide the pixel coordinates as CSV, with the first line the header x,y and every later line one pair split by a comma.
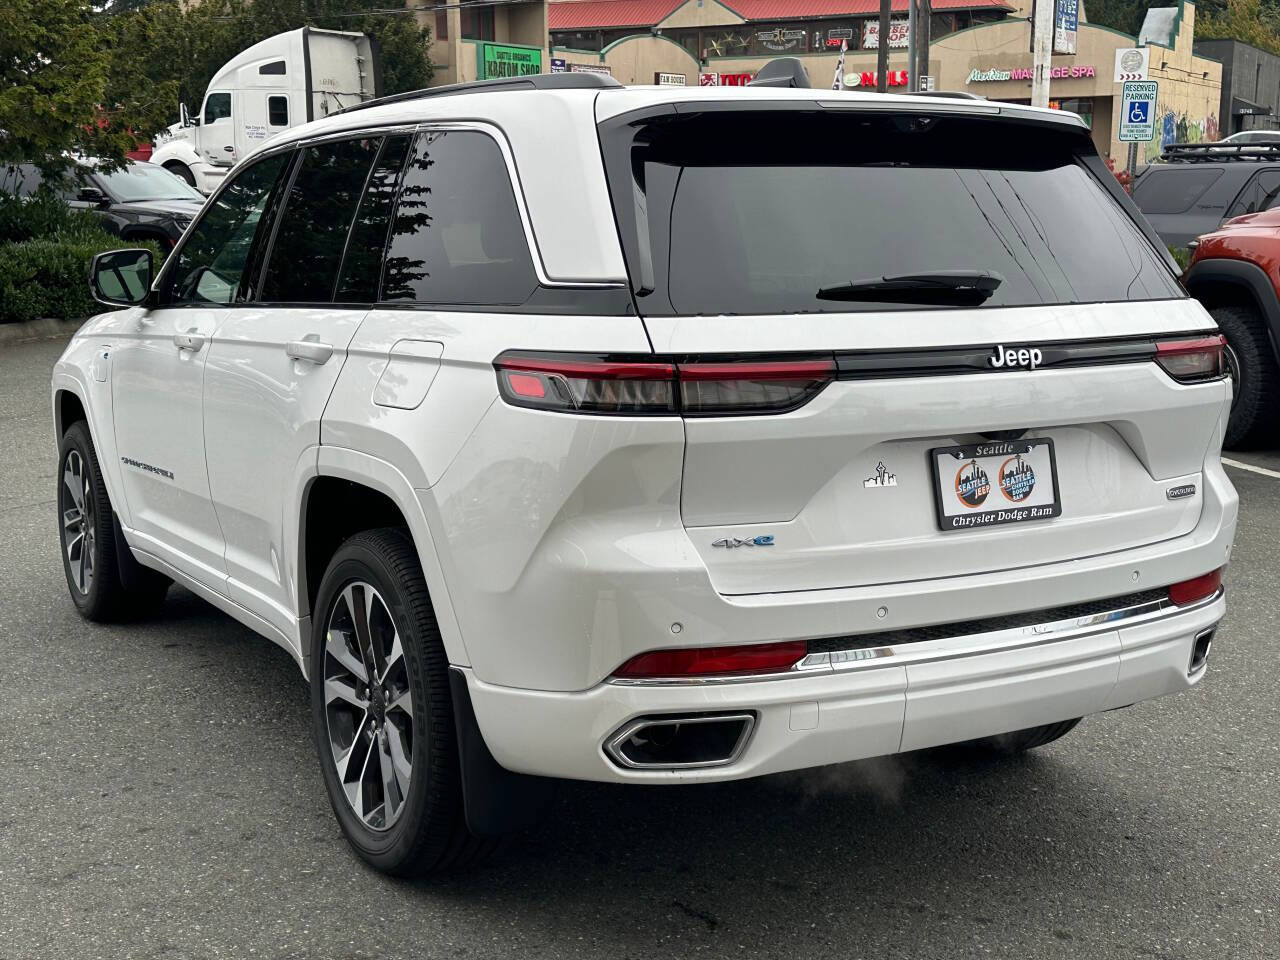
x,y
45,252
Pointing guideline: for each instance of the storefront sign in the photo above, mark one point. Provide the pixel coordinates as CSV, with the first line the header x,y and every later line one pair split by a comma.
x,y
896,78
1066,17
591,68
899,33
996,74
779,40
670,79
559,66
501,60
1132,63
724,79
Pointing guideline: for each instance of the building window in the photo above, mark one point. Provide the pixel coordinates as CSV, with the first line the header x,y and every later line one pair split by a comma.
x,y
477,23
442,25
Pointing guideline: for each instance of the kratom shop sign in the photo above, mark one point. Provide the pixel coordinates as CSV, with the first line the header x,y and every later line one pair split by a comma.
x,y
1025,73
502,60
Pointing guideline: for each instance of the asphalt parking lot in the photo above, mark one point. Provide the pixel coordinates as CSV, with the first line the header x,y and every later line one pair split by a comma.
x,y
160,797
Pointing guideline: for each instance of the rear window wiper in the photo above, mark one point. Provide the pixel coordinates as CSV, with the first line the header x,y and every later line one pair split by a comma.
x,y
960,288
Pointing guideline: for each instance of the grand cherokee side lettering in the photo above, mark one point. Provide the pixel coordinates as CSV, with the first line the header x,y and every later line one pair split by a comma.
x,y
158,471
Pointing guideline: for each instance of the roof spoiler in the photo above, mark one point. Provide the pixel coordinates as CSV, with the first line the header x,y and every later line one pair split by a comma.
x,y
782,72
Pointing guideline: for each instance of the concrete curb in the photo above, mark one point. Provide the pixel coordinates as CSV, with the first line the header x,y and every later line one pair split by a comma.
x,y
46,329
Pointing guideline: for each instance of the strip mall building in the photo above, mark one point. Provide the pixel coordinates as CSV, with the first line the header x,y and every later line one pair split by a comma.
x,y
978,46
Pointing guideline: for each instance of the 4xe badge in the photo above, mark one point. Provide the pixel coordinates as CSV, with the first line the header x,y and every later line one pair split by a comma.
x,y
731,542
1029,357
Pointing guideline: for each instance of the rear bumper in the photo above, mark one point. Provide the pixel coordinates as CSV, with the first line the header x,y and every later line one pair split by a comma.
x,y
942,692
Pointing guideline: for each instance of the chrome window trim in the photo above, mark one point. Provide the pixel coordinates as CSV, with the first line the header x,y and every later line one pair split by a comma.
x,y
969,645
612,746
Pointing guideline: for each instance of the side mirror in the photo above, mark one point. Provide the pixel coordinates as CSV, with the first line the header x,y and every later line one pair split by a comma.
x,y
185,116
92,195
121,278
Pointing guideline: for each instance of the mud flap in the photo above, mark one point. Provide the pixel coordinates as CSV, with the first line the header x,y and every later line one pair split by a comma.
x,y
496,801
126,565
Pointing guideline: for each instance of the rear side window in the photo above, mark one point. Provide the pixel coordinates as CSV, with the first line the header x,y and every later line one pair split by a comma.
x,y
362,265
1261,194
278,111
457,237
1172,191
840,212
321,203
211,263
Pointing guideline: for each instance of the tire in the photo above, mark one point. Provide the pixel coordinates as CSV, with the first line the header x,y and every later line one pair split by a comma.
x,y
403,724
1020,741
1255,375
86,534
181,170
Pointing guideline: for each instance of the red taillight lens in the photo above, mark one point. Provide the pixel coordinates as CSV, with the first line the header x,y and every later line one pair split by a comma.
x,y
587,384
715,661
584,384
1188,361
749,387
1198,588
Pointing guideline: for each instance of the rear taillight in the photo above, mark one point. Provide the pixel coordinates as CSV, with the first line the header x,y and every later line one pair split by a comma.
x,y
1189,361
585,384
1196,589
715,661
751,387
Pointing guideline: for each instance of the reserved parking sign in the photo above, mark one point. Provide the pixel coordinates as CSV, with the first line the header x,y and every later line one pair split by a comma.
x,y
1138,111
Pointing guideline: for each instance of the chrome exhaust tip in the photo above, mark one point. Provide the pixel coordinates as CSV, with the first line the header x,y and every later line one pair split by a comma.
x,y
1200,650
680,742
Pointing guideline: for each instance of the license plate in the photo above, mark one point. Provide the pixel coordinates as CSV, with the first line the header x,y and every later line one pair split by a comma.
x,y
985,484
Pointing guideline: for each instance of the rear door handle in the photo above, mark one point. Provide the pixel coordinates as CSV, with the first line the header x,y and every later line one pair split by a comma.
x,y
189,341
313,351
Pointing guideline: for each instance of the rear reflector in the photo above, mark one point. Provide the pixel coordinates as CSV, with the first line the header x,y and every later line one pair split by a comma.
x,y
715,661
1196,589
570,383
1189,361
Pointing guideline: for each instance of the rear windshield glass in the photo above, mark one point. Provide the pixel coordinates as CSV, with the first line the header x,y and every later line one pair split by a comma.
x,y
1172,191
745,212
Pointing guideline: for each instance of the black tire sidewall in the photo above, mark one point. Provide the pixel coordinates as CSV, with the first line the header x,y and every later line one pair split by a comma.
x,y
97,599
1255,381
393,848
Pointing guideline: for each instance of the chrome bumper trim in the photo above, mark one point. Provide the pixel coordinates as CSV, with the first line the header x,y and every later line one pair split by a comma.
x,y
968,645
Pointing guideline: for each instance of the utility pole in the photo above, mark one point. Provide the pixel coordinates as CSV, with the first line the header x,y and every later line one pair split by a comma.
x,y
921,64
913,84
882,50
1041,51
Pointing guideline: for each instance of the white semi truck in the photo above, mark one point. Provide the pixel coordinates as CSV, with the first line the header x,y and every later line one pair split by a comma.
x,y
275,84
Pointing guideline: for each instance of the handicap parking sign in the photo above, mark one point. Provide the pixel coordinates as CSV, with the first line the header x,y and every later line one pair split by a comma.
x,y
1137,111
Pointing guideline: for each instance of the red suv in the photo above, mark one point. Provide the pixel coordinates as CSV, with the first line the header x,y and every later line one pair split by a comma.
x,y
1235,273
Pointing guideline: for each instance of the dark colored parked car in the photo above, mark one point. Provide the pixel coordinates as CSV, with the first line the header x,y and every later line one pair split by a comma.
x,y
1203,185
140,202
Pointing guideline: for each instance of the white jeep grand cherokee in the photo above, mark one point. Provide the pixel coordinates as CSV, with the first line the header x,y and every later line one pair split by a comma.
x,y
658,435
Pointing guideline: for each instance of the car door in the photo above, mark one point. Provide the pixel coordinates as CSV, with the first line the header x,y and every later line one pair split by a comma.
x,y
158,371
217,130
272,366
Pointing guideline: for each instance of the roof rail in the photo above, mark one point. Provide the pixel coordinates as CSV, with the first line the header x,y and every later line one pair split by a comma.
x,y
1218,150
949,94
537,81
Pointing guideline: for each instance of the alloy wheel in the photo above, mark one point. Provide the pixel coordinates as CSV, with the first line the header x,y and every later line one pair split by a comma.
x,y
79,533
368,706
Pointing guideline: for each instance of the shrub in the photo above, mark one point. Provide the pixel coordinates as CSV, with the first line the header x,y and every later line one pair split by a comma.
x,y
49,276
